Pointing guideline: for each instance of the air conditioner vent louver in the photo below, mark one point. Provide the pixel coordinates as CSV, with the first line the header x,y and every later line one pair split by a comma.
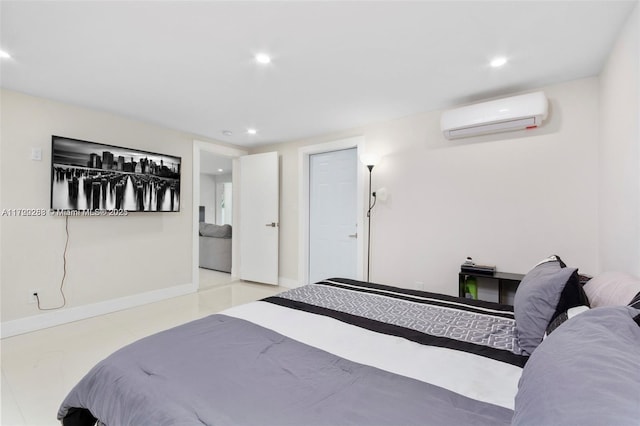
x,y
502,115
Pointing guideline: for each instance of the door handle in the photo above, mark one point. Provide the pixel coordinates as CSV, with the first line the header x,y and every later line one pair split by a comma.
x,y
353,235
272,224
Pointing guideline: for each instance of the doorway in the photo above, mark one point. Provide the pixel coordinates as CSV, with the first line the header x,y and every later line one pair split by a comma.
x,y
208,160
331,227
216,224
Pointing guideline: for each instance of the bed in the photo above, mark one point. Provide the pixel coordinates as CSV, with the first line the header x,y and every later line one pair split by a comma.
x,y
337,352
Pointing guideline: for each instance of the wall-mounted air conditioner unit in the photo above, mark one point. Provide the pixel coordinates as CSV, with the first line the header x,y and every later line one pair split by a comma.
x,y
502,115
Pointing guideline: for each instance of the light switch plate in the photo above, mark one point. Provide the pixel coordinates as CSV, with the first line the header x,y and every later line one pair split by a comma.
x,y
36,154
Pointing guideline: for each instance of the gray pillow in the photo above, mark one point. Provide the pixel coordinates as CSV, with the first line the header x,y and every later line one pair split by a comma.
x,y
216,231
585,373
548,290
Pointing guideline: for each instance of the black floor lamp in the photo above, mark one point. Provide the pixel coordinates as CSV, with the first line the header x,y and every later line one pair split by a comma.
x,y
370,162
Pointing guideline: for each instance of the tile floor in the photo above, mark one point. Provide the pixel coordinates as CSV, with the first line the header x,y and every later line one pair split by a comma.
x,y
39,368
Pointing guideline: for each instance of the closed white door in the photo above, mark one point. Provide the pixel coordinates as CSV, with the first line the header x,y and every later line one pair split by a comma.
x,y
333,233
259,216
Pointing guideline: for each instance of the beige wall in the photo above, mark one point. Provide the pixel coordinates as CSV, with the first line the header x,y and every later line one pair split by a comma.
x,y
507,199
620,153
108,257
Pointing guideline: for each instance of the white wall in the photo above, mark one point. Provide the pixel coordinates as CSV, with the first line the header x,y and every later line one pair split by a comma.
x,y
108,257
227,217
211,196
208,196
620,154
508,199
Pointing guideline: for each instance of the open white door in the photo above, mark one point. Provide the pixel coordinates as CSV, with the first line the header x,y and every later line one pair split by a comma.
x,y
259,217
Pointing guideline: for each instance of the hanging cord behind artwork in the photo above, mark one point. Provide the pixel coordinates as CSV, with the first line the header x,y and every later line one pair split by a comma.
x,y
64,271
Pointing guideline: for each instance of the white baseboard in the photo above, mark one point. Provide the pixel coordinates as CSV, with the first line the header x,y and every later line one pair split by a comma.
x,y
288,282
63,316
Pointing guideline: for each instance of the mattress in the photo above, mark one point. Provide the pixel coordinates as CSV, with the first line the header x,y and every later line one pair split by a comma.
x,y
337,352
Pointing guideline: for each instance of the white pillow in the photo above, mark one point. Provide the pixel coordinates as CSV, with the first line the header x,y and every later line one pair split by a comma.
x,y
612,289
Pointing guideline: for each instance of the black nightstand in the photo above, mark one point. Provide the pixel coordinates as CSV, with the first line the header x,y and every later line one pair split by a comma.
x,y
504,279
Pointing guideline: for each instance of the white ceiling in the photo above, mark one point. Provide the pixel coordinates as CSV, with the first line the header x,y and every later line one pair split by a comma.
x,y
336,65
211,164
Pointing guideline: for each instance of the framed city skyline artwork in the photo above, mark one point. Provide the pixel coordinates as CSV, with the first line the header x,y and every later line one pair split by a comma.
x,y
90,176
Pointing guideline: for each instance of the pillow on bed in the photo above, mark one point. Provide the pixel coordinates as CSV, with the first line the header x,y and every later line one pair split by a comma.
x,y
549,289
585,373
612,289
563,317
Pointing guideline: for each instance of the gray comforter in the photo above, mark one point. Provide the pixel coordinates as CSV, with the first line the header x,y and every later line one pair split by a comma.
x,y
226,371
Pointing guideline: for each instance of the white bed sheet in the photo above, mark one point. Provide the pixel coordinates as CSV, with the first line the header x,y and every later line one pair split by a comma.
x,y
474,376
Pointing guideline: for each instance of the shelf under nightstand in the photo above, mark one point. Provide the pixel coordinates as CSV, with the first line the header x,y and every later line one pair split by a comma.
x,y
504,279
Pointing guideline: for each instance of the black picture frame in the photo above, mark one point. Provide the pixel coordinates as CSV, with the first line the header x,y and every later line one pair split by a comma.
x,y
92,176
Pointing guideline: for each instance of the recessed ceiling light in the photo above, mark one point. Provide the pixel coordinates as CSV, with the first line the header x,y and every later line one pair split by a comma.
x,y
252,131
220,170
263,58
498,62
4,55
227,132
